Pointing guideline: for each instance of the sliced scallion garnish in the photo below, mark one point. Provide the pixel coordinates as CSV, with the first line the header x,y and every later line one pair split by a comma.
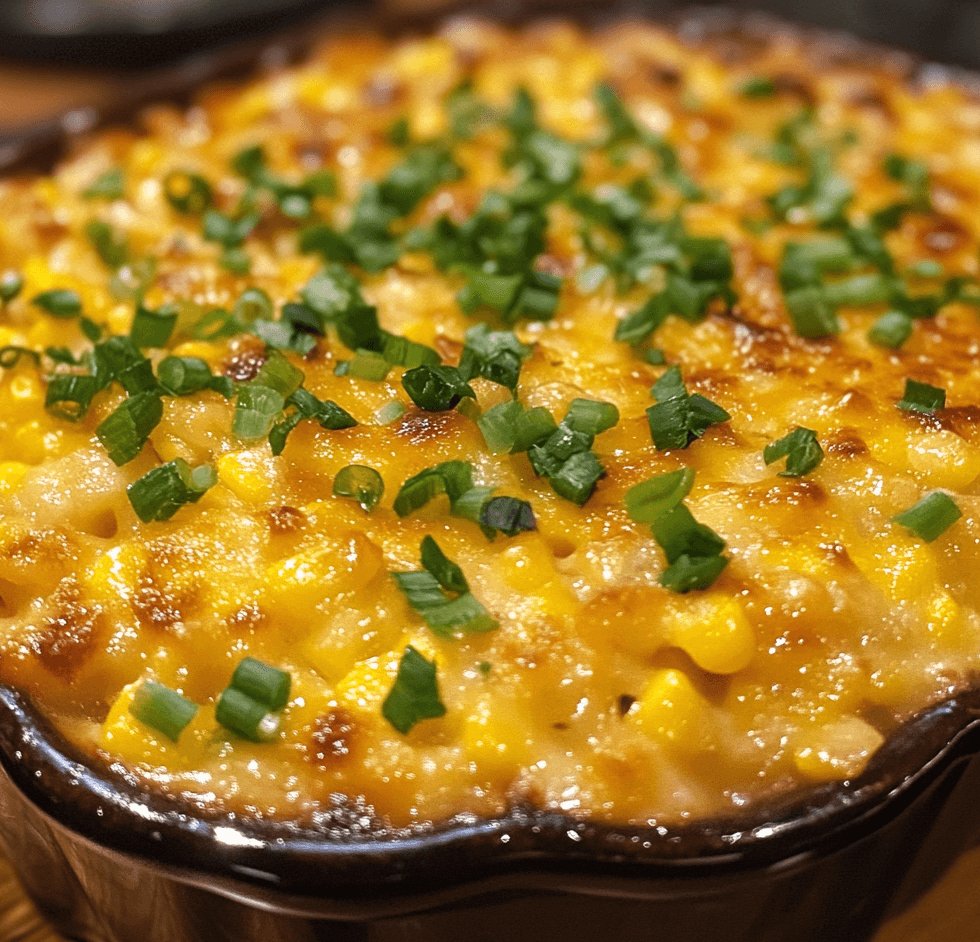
x,y
249,718
360,483
801,450
931,516
59,302
265,684
921,397
163,709
161,492
415,694
126,429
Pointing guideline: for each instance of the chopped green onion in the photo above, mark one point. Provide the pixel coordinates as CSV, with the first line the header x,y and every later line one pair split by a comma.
x,y
508,427
109,185
590,416
508,515
110,245
679,534
181,376
811,313
162,709
892,329
153,328
921,397
11,285
495,355
125,430
70,395
265,684
131,281
390,412
161,492
366,365
679,418
436,388
931,516
649,500
759,86
687,573
452,478
252,304
425,591
187,192
576,479
60,302
361,483
801,450
235,259
248,718
256,411
415,693
11,355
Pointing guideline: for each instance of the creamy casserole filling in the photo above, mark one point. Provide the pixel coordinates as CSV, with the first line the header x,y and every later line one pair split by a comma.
x,y
587,419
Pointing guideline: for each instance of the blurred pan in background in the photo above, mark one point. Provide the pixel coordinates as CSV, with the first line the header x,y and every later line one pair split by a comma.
x,y
137,33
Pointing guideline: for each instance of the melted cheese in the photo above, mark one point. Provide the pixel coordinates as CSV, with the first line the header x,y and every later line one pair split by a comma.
x,y
606,695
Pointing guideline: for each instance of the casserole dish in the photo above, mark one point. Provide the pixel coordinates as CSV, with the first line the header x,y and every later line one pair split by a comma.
x,y
887,825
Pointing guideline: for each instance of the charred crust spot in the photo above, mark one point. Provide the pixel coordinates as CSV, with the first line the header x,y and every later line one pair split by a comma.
x,y
68,632
944,236
667,76
286,519
419,427
625,703
245,364
787,83
846,446
797,493
559,726
960,419
332,739
553,265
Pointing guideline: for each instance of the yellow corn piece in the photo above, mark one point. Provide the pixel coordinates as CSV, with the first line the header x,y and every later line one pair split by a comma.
x,y
900,566
944,619
528,568
297,586
944,459
496,739
837,751
715,633
250,475
116,572
671,710
12,474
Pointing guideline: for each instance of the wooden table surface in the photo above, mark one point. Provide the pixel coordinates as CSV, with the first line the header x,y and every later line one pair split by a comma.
x,y
950,912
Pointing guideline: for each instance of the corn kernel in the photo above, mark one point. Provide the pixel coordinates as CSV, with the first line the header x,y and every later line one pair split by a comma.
x,y
12,475
495,739
837,751
944,459
116,572
672,710
897,565
528,568
715,633
249,475
944,618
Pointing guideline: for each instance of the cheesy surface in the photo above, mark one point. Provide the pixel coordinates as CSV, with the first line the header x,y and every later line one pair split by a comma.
x,y
591,687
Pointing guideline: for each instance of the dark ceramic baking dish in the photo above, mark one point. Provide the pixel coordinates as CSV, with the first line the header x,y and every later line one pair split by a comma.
x,y
108,860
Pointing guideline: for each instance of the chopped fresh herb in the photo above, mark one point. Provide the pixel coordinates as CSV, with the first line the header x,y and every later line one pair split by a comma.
x,y
181,376
59,302
249,718
263,683
11,285
132,280
162,709
921,397
647,501
361,483
495,355
801,450
110,244
508,515
436,388
153,328
914,174
452,478
759,86
235,259
591,416
227,231
687,573
11,355
508,427
421,171
366,365
326,413
187,192
118,359
69,395
390,412
892,329
126,429
109,185
931,516
253,304
91,330
161,492
446,614
398,132
679,418
415,693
